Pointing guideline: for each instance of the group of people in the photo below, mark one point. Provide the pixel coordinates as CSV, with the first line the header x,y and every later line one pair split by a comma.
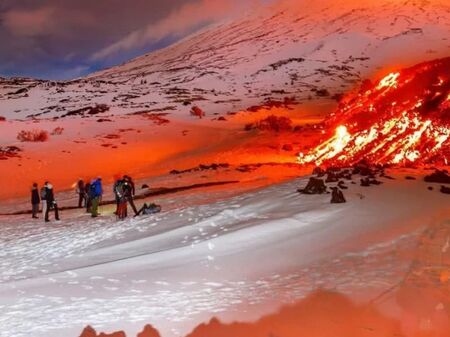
x,y
46,196
90,196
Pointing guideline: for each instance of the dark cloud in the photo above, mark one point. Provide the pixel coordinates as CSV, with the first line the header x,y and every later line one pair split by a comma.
x,y
66,39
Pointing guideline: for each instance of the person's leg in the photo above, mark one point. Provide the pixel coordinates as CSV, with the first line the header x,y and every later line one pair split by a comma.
x,y
94,207
80,200
88,204
117,206
133,206
56,212
122,210
141,210
34,210
44,207
47,210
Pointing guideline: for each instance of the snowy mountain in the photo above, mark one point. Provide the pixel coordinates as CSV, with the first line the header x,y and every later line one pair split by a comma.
x,y
287,50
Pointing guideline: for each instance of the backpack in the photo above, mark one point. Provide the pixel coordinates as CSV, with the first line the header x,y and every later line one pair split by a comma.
x,y
92,190
118,189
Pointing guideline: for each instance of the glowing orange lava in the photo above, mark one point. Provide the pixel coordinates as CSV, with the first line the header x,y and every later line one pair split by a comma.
x,y
404,118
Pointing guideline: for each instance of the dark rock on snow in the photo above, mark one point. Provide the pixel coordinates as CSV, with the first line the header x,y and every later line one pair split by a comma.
x,y
319,172
149,331
366,182
342,186
438,176
337,197
314,186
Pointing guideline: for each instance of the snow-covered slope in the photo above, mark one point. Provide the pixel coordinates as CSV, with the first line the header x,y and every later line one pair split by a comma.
x,y
235,258
290,49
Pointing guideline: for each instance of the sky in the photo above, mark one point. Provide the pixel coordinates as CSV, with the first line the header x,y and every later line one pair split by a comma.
x,y
62,39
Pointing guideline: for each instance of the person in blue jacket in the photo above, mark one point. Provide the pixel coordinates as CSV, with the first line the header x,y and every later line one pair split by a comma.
x,y
96,192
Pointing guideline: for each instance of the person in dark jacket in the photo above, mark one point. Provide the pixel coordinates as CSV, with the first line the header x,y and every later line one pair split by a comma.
x,y
128,191
121,201
51,202
87,196
96,195
81,193
118,193
35,201
131,182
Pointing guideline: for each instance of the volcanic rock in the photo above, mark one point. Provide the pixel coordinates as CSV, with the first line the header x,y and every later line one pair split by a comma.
x,y
341,185
366,182
445,190
9,152
337,197
319,172
362,168
18,92
314,186
438,176
90,110
196,111
88,332
332,178
114,334
149,331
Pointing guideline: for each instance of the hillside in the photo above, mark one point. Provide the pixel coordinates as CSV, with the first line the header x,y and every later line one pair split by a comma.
x,y
282,51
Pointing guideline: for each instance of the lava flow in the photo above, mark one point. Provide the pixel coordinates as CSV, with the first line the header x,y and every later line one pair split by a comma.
x,y
404,118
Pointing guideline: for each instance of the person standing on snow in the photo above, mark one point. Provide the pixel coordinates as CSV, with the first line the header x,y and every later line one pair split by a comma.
x,y
129,191
121,201
81,193
131,183
43,195
87,196
96,195
118,193
35,201
51,202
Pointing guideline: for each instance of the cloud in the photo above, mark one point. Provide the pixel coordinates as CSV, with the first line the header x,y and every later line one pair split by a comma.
x,y
46,20
179,22
29,22
61,39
